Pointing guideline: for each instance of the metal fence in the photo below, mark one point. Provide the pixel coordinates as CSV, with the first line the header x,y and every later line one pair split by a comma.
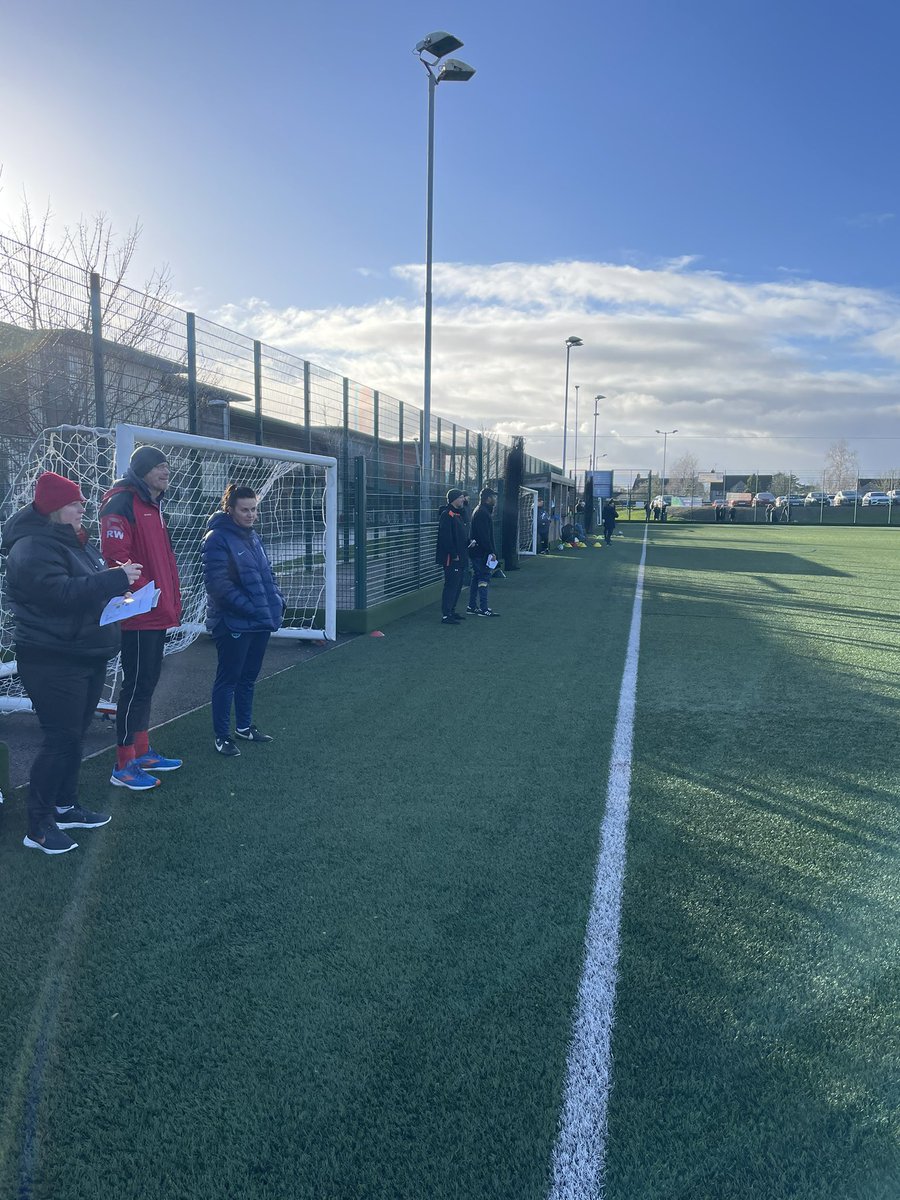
x,y
78,349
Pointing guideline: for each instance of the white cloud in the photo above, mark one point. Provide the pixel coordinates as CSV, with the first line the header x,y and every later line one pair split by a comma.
x,y
769,371
868,220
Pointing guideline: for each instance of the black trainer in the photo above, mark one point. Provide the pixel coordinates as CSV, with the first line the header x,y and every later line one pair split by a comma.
x,y
473,612
457,617
488,612
252,734
448,621
227,747
77,817
49,839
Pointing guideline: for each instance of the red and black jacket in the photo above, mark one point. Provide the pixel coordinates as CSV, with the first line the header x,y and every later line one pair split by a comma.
x,y
132,526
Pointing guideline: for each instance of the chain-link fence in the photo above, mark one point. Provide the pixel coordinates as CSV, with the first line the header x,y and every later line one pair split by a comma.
x,y
80,350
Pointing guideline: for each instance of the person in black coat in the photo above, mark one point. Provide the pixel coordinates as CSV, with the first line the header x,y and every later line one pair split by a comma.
x,y
610,515
543,527
481,547
244,607
450,553
58,586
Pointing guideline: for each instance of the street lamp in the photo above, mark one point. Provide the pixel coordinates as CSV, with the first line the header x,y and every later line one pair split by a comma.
x,y
225,406
570,342
597,400
436,46
665,436
575,446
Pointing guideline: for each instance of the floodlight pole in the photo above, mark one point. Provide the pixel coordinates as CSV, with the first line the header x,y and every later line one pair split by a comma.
x,y
570,342
429,228
437,46
665,437
597,400
575,445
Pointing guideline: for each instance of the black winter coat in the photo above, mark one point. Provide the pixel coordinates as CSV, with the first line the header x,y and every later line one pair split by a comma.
x,y
58,587
451,537
482,532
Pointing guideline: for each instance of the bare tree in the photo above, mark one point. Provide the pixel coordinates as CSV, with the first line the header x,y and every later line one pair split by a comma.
x,y
46,366
890,480
841,469
683,478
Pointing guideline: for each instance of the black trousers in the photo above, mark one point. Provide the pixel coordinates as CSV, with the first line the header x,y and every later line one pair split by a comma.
x,y
453,580
142,655
64,691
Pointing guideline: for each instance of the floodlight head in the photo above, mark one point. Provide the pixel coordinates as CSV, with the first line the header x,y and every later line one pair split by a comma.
x,y
438,44
599,396
454,70
574,341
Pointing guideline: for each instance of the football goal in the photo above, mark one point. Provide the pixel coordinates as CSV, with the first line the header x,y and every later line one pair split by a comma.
x,y
297,521
528,521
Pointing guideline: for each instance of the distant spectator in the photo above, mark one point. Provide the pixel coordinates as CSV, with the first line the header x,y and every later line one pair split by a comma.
x,y
609,517
481,552
450,553
543,527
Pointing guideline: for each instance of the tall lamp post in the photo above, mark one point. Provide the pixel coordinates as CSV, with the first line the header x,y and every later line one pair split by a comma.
x,y
575,442
431,50
665,437
597,400
570,342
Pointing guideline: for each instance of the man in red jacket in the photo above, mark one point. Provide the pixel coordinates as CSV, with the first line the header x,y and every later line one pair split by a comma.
x,y
132,527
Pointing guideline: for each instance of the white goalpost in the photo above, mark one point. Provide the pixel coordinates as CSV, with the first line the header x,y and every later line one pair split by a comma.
x,y
528,521
297,522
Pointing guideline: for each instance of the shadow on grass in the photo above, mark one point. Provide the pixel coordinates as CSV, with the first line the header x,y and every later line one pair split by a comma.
x,y
756,1045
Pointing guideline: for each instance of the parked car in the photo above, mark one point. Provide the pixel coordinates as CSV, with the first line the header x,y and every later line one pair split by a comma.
x,y
874,499
846,497
821,498
790,501
894,495
762,499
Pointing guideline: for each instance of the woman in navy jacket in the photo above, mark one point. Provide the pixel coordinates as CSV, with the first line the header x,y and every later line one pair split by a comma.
x,y
244,608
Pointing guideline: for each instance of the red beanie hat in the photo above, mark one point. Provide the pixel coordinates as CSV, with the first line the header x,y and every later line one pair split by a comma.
x,y
54,491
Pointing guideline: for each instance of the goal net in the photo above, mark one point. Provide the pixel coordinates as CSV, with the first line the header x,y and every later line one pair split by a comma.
x,y
297,522
528,521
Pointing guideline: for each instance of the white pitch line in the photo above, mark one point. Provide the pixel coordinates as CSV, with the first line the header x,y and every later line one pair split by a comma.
x,y
579,1153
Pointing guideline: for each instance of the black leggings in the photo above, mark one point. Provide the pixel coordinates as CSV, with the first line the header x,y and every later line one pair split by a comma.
x,y
142,655
64,692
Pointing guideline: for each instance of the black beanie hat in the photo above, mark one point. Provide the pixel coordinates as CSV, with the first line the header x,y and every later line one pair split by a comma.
x,y
144,459
454,494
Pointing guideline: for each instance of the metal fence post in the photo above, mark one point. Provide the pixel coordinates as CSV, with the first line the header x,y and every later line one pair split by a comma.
x,y
192,371
479,466
361,557
345,466
257,390
307,406
97,353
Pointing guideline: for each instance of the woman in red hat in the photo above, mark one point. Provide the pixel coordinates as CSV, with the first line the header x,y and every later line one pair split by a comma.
x,y
58,586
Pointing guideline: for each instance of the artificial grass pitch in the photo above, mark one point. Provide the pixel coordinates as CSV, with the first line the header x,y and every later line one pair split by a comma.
x,y
756,1038
344,965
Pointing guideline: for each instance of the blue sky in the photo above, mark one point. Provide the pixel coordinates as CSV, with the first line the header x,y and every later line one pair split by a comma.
x,y
707,193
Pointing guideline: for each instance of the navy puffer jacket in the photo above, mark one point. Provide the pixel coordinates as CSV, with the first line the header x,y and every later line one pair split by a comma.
x,y
241,592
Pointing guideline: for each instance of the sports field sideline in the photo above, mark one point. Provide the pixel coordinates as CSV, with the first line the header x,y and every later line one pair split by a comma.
x,y
345,966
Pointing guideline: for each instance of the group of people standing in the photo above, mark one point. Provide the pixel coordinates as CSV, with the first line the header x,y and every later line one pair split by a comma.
x,y
466,543
58,585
